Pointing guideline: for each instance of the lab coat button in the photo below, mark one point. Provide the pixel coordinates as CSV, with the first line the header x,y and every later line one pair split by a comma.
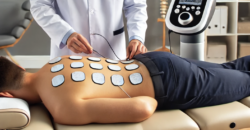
x,y
92,11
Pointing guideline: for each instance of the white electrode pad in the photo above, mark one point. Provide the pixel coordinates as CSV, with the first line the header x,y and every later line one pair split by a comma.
x,y
96,66
55,60
117,80
114,68
131,67
127,62
58,80
98,78
75,57
57,68
78,76
135,78
76,65
112,61
94,59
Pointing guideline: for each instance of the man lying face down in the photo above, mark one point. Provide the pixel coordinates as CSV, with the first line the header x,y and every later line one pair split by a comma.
x,y
81,90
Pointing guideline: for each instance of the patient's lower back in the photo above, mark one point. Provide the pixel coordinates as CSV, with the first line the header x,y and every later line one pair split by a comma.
x,y
67,79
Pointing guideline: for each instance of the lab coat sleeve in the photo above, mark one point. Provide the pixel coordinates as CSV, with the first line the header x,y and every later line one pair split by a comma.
x,y
46,16
136,14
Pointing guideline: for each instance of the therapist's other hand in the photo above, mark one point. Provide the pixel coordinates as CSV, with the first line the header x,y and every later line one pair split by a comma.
x,y
78,44
135,47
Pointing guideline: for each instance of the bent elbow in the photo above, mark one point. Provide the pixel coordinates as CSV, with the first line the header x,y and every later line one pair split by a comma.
x,y
145,110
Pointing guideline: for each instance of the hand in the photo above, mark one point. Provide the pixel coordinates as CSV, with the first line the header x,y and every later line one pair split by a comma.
x,y
135,47
78,44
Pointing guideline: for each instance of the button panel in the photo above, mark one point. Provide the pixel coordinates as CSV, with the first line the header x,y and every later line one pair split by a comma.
x,y
189,8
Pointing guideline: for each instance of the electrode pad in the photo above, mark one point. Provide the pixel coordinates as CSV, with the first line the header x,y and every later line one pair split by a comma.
x,y
127,62
114,68
95,66
131,67
55,60
117,80
76,65
94,59
75,57
135,78
58,80
98,78
57,68
78,76
112,61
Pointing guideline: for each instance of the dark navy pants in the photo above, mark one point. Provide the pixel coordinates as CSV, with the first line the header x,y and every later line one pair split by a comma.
x,y
190,83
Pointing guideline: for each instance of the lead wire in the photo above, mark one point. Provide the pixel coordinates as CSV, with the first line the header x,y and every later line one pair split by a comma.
x,y
124,91
98,53
108,44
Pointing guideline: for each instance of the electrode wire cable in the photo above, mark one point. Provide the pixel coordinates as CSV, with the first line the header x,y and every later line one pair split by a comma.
x,y
108,44
124,91
98,53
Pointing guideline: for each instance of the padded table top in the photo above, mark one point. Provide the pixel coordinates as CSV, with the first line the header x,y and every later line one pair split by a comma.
x,y
160,120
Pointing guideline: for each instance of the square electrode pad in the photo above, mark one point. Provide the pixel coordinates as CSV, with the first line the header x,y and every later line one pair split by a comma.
x,y
135,78
78,76
117,80
57,68
98,78
58,80
131,67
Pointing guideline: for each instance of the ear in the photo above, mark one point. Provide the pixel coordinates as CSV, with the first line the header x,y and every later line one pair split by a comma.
x,y
6,94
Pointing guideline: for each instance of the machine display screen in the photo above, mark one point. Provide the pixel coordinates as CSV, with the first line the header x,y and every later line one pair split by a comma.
x,y
191,2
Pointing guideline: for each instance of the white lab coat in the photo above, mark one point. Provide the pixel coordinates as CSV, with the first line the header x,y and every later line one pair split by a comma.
x,y
57,17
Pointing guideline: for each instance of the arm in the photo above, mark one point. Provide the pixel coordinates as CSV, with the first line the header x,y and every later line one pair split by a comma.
x,y
46,16
107,110
136,14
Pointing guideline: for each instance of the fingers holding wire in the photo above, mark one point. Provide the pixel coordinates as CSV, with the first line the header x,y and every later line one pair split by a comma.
x,y
85,44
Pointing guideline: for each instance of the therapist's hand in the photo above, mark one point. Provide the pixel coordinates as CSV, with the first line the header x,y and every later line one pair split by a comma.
x,y
135,47
78,44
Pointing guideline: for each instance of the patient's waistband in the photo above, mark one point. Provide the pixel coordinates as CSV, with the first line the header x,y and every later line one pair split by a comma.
x,y
155,75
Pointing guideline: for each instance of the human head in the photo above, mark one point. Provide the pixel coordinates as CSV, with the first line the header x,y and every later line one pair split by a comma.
x,y
11,75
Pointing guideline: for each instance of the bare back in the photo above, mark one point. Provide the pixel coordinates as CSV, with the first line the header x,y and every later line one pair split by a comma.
x,y
69,90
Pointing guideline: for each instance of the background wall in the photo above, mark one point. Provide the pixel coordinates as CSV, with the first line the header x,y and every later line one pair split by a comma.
x,y
36,41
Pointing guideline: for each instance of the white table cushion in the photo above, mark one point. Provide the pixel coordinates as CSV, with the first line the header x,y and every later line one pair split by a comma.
x,y
14,113
220,117
160,120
